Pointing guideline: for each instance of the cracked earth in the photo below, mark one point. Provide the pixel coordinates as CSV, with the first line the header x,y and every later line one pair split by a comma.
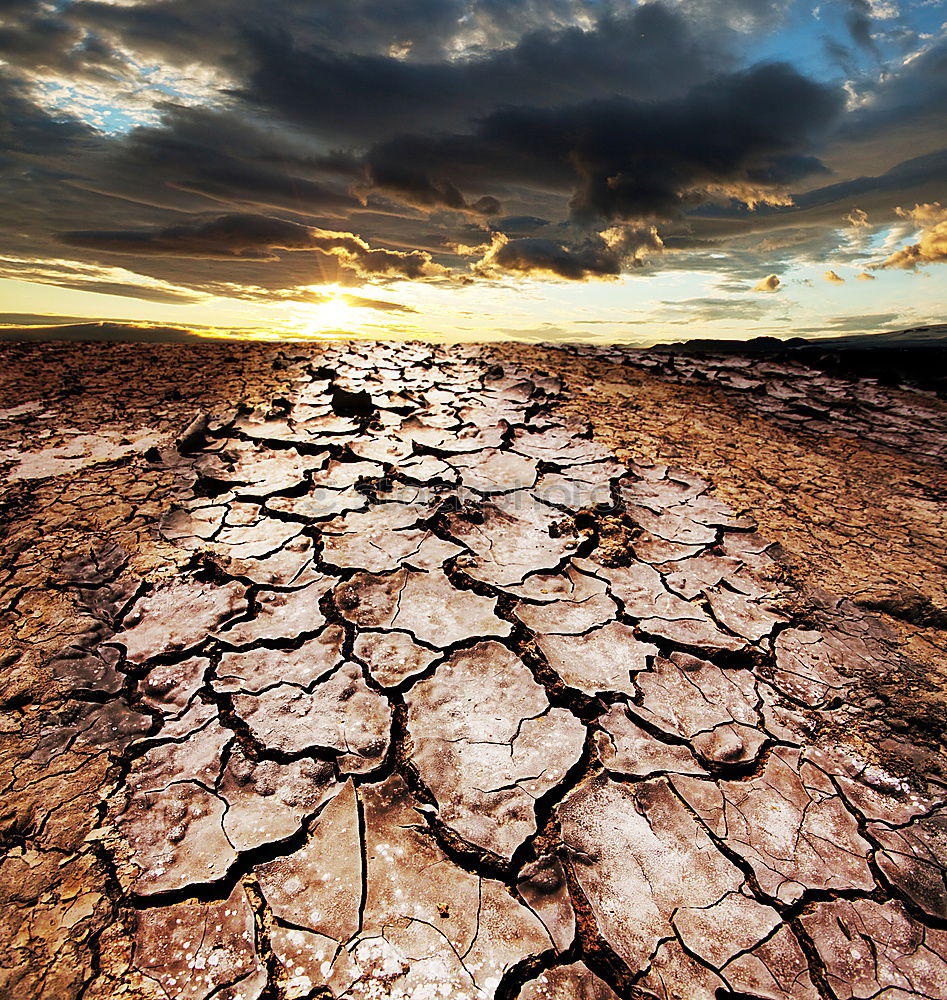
x,y
384,676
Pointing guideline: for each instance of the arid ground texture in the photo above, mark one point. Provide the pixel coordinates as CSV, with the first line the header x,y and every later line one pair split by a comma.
x,y
401,672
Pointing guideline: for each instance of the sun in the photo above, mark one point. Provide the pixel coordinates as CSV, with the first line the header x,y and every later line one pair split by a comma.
x,y
334,313
330,311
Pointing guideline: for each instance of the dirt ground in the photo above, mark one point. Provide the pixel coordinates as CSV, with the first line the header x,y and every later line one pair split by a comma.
x,y
856,521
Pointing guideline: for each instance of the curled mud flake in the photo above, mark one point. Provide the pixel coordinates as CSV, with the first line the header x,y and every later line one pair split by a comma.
x,y
574,493
280,615
89,728
604,659
588,606
178,615
263,473
673,528
426,469
550,588
342,716
255,540
689,578
874,949
509,538
78,452
628,750
267,802
384,450
196,758
428,928
88,669
560,444
784,722
676,975
714,709
805,667
639,856
193,719
542,887
747,921
914,860
422,603
752,551
873,791
256,669
705,509
318,505
304,428
319,887
195,951
170,687
290,566
789,824
660,486
740,615
392,657
730,743
775,969
384,538
421,431
174,838
567,982
653,550
344,475
193,525
487,745
641,590
493,471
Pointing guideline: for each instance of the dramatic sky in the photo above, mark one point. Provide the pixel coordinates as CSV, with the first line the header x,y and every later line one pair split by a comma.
x,y
583,169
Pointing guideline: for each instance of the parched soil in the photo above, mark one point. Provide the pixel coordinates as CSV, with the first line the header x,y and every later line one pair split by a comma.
x,y
389,671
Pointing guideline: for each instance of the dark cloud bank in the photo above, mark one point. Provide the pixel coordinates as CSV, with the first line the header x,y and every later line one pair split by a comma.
x,y
350,142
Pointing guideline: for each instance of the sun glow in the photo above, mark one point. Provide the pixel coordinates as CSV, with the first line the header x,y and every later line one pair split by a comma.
x,y
332,311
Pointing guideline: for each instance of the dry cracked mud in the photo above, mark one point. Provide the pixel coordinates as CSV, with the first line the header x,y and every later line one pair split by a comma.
x,y
382,676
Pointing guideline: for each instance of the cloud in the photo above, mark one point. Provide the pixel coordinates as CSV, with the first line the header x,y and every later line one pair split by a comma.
x,y
857,218
540,256
355,141
931,248
382,305
859,21
604,256
770,283
623,159
369,95
834,278
865,276
255,238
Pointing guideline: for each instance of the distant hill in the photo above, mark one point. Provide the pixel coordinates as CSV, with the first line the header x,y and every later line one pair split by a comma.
x,y
123,332
916,357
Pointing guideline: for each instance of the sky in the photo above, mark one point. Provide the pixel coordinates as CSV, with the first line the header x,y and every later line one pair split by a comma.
x,y
595,170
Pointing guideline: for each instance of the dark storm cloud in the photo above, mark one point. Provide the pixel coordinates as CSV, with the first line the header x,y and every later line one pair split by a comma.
x,y
252,238
532,255
26,128
348,95
623,159
46,39
858,18
224,158
604,255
